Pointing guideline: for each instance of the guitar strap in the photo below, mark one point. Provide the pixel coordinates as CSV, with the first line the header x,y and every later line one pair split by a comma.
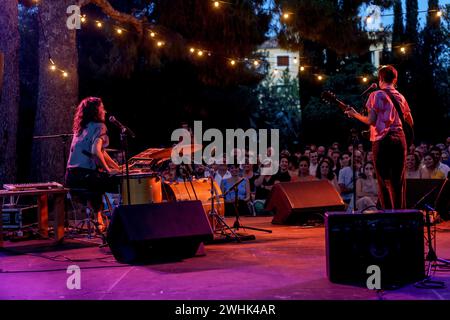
x,y
396,106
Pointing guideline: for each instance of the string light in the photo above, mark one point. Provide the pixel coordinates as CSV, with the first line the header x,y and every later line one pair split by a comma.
x,y
53,67
364,79
152,34
285,16
83,19
119,31
302,68
99,24
160,43
65,74
256,63
216,4
439,13
200,53
192,50
403,50
233,62
319,77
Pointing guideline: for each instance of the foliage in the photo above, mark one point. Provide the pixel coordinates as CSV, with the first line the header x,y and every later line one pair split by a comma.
x,y
326,123
279,107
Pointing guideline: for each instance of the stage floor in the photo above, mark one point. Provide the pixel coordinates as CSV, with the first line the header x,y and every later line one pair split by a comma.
x,y
287,264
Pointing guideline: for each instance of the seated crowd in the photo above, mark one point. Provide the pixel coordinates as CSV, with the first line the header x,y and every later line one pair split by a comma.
x,y
333,164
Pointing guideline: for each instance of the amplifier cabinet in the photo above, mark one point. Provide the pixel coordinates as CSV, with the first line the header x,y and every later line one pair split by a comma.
x,y
391,240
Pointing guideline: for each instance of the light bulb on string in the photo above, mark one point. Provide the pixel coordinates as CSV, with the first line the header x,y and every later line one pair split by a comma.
x,y
302,68
216,4
119,31
192,50
200,53
83,19
160,43
364,79
233,62
439,13
152,34
319,77
403,50
65,74
99,24
256,63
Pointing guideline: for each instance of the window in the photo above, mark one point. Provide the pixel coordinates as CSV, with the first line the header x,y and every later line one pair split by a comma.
x,y
283,61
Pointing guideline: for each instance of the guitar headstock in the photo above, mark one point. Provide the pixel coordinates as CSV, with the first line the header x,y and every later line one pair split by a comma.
x,y
328,97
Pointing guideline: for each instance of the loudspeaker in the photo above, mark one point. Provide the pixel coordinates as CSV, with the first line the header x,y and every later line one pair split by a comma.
x,y
390,240
144,232
294,202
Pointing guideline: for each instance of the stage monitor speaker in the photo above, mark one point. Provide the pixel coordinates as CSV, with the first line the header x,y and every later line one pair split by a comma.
x,y
391,240
294,202
146,232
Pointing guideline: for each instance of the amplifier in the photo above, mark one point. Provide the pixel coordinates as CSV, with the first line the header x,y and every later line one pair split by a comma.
x,y
392,240
19,217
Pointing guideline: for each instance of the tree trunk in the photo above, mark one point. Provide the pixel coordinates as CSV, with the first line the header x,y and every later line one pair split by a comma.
x,y
58,95
9,94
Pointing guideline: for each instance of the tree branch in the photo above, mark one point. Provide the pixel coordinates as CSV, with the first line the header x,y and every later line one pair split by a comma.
x,y
108,9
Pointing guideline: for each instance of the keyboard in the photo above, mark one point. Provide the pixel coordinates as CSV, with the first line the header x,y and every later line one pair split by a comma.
x,y
31,186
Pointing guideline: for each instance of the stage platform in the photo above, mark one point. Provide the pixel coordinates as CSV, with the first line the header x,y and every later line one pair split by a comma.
x,y
288,264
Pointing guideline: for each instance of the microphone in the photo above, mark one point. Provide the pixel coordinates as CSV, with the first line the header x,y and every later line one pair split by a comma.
x,y
122,128
371,87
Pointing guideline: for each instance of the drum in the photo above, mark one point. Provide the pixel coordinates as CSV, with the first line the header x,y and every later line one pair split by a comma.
x,y
178,191
144,188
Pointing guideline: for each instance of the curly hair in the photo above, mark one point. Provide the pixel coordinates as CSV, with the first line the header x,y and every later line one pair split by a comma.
x,y
87,111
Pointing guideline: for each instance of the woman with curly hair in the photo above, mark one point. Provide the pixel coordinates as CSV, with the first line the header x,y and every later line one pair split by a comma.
x,y
89,166
325,172
413,166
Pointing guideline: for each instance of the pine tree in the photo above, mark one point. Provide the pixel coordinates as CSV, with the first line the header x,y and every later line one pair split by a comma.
x,y
411,29
398,28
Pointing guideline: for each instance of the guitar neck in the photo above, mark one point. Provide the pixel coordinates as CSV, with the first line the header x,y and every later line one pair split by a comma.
x,y
342,105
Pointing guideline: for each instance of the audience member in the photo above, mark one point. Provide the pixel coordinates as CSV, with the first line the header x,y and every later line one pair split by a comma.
x,y
431,170
367,188
413,166
325,172
229,188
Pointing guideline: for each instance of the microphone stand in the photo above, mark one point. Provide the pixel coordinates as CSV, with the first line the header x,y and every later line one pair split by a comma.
x,y
189,178
124,143
237,223
215,216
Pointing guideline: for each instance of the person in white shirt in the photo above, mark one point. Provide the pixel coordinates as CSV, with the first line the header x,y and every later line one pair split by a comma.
x,y
313,163
437,153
